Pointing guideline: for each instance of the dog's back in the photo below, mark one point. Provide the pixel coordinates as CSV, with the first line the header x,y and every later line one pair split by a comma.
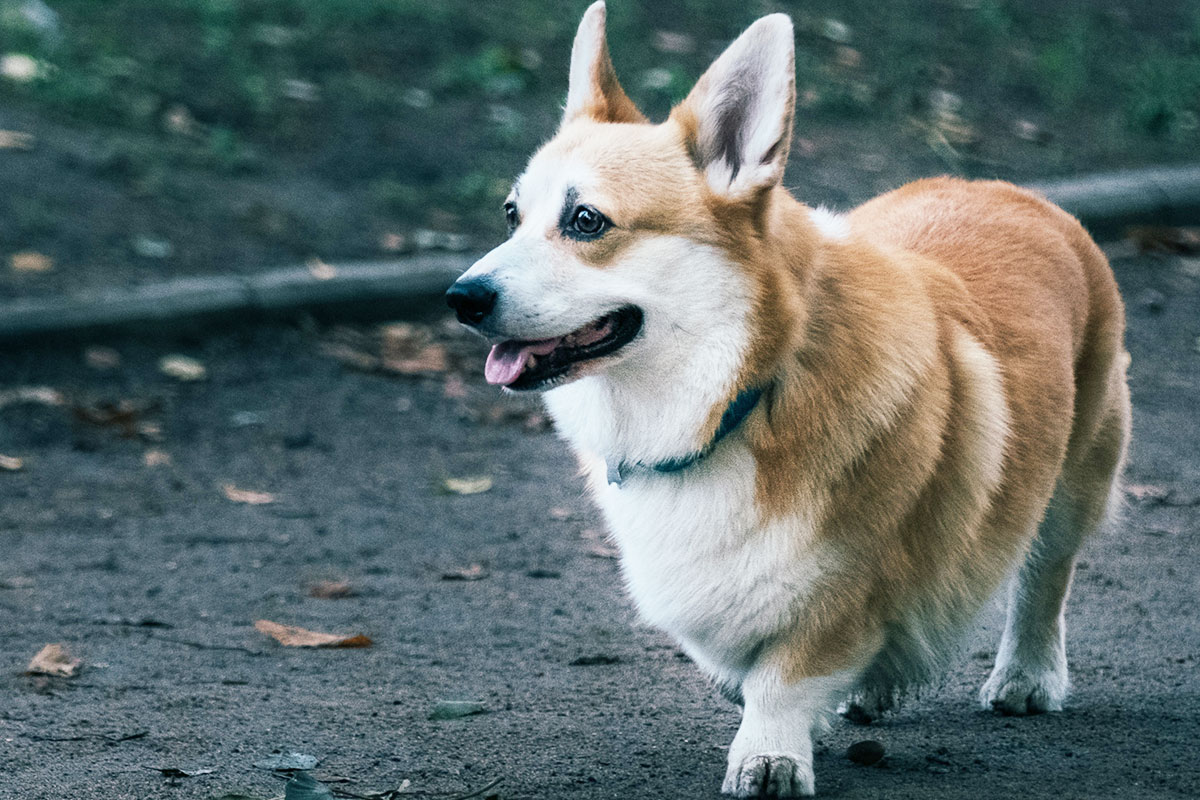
x,y
1037,292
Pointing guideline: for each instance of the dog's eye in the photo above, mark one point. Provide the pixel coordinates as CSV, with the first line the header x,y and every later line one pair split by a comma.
x,y
587,221
511,217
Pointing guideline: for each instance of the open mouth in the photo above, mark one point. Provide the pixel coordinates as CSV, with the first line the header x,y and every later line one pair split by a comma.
x,y
522,365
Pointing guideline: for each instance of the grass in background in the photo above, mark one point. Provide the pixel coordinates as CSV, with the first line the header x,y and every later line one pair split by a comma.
x,y
435,105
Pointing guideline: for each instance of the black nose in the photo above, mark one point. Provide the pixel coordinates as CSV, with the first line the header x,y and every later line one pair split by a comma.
x,y
471,300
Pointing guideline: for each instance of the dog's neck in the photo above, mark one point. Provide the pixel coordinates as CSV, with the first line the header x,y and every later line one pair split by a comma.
x,y
667,404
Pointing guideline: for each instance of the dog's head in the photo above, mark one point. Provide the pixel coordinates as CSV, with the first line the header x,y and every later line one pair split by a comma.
x,y
632,245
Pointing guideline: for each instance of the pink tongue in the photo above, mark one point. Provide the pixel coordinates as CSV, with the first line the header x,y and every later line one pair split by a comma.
x,y
507,359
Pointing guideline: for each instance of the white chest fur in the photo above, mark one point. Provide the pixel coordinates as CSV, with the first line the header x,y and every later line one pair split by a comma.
x,y
699,562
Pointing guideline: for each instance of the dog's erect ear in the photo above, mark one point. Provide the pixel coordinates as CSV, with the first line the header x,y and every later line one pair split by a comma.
x,y
738,117
594,91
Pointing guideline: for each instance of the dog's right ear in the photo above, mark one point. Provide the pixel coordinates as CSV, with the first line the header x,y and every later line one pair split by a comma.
x,y
594,91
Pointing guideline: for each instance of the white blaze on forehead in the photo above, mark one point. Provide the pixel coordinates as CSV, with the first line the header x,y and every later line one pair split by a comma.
x,y
542,190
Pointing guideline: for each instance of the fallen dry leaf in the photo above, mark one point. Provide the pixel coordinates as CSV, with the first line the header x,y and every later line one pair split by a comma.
x,y
30,261
16,140
125,415
475,572
34,395
287,762
431,358
392,242
477,484
1147,492
350,356
182,368
10,463
54,660
320,270
18,67
456,709
1030,132
156,458
597,544
407,349
101,358
152,246
179,120
291,636
455,388
176,772
848,57
246,496
331,590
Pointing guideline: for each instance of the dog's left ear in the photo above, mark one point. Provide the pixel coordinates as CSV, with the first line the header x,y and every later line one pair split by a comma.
x,y
738,117
594,91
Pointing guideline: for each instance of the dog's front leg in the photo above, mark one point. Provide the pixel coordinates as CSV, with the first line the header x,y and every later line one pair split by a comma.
x,y
771,754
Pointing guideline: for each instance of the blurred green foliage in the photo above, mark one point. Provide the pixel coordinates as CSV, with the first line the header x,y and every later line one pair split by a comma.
x,y
410,96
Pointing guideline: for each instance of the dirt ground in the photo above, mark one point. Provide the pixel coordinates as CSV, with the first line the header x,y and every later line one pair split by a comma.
x,y
127,550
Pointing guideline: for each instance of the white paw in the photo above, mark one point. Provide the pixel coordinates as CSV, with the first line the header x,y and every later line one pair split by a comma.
x,y
1020,690
770,775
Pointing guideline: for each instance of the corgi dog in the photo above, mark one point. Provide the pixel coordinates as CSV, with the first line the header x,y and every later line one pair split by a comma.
x,y
821,442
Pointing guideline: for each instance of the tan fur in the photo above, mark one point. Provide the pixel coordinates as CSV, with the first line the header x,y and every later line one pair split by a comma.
x,y
865,400
932,382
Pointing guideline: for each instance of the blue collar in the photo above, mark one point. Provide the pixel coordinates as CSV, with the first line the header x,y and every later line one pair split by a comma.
x,y
735,412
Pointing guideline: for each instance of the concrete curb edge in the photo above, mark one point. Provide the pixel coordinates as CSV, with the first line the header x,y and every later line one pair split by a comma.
x,y
1106,203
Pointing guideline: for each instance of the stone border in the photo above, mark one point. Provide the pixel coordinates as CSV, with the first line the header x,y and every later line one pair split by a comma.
x,y
1107,204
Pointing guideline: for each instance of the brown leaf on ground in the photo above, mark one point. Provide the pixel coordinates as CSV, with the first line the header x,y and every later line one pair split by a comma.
x,y
124,415
182,368
392,242
101,358
16,140
246,496
320,270
331,590
349,355
54,660
431,358
1147,492
407,349
156,458
597,544
30,261
10,463
536,422
455,388
34,395
1165,239
475,572
291,636
476,484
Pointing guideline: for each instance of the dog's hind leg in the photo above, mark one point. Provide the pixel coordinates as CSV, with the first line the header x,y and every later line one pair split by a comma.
x,y
1030,675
